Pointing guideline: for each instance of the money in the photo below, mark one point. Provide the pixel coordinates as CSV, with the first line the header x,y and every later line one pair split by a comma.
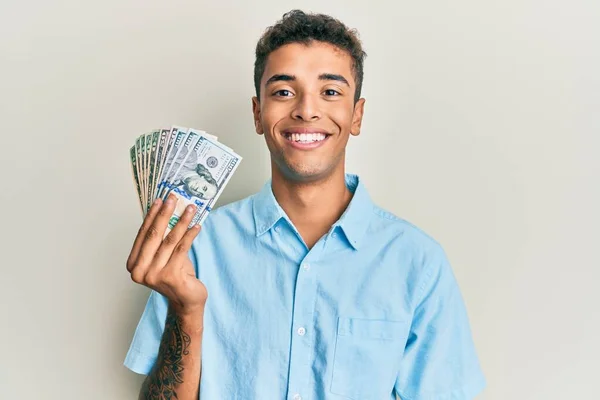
x,y
142,164
172,155
136,178
188,163
152,166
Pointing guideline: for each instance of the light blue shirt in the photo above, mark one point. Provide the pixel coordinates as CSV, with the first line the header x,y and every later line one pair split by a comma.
x,y
373,309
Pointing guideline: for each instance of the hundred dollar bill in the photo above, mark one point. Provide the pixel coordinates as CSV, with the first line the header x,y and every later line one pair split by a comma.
x,y
177,162
138,163
173,152
166,157
171,138
152,166
147,163
134,171
160,150
167,161
141,164
202,178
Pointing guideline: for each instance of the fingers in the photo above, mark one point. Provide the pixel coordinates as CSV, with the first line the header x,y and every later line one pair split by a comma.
x,y
153,236
181,250
165,269
139,239
163,253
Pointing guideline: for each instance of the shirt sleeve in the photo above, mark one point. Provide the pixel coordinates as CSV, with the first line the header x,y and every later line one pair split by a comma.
x,y
143,350
439,361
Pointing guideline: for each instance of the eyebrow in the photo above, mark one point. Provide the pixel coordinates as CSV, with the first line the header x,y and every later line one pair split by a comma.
x,y
322,77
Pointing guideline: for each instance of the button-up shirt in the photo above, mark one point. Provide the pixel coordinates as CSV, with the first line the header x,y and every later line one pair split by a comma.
x,y
370,311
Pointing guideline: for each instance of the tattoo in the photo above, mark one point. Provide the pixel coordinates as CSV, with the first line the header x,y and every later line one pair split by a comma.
x,y
168,370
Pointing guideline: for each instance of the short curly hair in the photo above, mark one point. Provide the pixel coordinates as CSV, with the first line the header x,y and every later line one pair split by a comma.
x,y
297,26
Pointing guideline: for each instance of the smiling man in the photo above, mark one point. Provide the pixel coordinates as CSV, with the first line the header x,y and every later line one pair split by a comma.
x,y
315,292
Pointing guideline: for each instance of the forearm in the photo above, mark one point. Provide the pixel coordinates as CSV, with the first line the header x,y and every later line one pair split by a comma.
x,y
176,373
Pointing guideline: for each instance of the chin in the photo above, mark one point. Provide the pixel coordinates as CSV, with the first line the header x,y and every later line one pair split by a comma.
x,y
305,168
305,173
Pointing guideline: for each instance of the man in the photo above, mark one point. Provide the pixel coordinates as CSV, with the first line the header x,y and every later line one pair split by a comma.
x,y
315,292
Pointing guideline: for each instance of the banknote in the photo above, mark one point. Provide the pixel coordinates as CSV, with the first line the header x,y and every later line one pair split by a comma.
x,y
190,164
152,166
134,171
174,131
201,178
146,164
172,152
142,164
162,145
178,160
171,156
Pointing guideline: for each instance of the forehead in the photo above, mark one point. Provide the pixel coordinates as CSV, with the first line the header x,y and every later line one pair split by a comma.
x,y
309,61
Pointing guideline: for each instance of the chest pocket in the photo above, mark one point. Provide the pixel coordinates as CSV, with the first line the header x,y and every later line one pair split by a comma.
x,y
367,357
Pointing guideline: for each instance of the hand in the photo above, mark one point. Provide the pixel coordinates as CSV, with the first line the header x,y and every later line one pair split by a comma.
x,y
164,265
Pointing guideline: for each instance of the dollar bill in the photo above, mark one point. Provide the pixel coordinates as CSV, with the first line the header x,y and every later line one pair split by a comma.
x,y
152,166
142,163
147,162
189,163
171,138
173,154
179,159
200,180
166,142
162,145
134,171
138,164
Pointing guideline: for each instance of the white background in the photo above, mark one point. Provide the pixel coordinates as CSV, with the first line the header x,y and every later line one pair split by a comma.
x,y
481,127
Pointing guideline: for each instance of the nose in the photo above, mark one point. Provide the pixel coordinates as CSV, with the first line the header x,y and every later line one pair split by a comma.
x,y
306,109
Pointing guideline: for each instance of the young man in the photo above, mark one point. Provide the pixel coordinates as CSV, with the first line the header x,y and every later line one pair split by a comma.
x,y
315,292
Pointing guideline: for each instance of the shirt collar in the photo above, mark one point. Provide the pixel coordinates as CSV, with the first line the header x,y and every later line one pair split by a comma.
x,y
266,209
353,222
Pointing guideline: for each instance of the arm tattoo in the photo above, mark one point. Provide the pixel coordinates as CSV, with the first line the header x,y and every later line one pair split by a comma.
x,y
168,371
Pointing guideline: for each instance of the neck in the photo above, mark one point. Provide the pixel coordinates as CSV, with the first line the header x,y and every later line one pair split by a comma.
x,y
313,207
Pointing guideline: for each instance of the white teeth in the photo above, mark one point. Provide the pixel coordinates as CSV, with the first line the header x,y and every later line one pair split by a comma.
x,y
306,137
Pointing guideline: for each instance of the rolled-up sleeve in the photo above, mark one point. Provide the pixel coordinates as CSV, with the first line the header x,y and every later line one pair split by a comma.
x,y
440,361
143,350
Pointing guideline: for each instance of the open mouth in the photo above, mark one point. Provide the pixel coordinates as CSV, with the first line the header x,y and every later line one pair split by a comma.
x,y
305,137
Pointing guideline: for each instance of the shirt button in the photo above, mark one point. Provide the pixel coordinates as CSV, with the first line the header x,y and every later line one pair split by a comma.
x,y
301,331
277,229
334,234
297,397
306,266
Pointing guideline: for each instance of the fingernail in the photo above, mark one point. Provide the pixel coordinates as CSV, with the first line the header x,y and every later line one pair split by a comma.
x,y
189,209
156,201
170,200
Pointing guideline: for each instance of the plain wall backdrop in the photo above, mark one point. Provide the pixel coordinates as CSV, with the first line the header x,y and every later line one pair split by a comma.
x,y
481,127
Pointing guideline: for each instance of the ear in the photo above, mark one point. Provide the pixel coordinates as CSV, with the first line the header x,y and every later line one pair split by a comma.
x,y
359,109
256,113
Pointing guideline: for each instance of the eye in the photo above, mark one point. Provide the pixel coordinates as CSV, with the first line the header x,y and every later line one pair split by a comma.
x,y
283,93
205,188
332,92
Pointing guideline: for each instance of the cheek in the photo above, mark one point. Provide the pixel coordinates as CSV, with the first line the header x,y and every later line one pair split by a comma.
x,y
342,117
274,111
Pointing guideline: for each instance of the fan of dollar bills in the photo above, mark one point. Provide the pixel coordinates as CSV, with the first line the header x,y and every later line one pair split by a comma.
x,y
189,163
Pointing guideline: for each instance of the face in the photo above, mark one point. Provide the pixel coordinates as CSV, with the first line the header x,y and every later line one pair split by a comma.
x,y
198,186
306,110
